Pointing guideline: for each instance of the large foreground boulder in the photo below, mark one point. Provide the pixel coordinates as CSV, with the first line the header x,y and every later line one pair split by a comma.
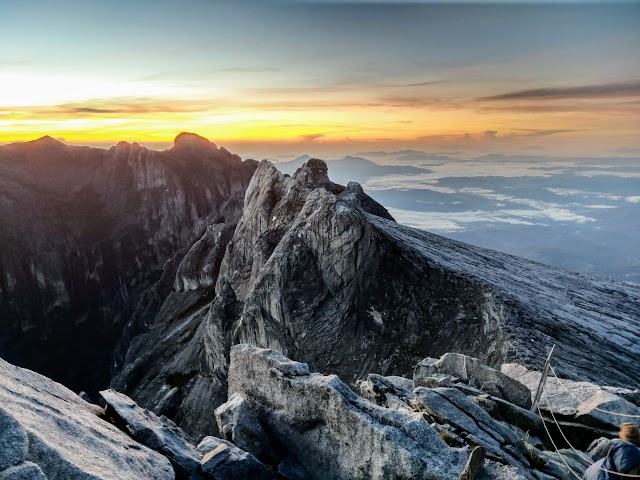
x,y
329,430
47,431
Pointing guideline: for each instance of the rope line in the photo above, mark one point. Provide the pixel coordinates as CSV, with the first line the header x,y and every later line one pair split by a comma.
x,y
579,477
581,401
627,475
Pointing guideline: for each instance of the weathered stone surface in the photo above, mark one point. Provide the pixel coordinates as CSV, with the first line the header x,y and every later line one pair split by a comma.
x,y
13,441
320,273
434,381
401,382
200,266
520,417
585,402
158,433
24,471
226,462
87,234
236,459
321,423
477,374
383,392
497,471
238,423
451,406
474,464
291,469
66,438
562,466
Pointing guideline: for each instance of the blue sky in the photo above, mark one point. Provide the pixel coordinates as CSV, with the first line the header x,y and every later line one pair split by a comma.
x,y
427,69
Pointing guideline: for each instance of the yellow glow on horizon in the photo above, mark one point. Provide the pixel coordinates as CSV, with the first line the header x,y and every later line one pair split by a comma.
x,y
87,111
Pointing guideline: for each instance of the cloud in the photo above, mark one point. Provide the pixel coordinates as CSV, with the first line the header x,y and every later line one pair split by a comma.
x,y
533,132
311,137
534,147
490,134
606,90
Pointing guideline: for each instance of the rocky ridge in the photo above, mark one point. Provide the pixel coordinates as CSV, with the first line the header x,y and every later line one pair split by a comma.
x,y
283,422
90,240
322,273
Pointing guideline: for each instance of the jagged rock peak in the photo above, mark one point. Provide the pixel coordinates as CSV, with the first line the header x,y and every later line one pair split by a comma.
x,y
314,173
192,140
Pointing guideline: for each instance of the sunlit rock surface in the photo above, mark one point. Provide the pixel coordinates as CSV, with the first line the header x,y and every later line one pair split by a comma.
x,y
47,431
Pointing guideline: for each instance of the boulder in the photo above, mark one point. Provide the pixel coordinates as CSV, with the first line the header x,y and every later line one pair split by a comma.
x,y
329,430
474,464
561,465
158,433
450,406
477,374
497,471
238,423
383,392
290,469
24,471
227,462
585,402
440,407
401,382
66,437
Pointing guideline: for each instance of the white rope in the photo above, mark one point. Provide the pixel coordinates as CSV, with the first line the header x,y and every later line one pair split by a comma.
x,y
579,477
594,408
627,475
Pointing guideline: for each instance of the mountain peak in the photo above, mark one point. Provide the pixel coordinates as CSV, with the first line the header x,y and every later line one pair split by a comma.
x,y
192,140
314,173
47,141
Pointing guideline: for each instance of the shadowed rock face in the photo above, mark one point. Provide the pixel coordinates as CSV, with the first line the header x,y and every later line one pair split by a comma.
x,y
149,266
90,240
322,273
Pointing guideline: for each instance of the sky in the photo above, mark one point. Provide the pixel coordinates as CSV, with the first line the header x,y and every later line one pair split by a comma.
x,y
281,78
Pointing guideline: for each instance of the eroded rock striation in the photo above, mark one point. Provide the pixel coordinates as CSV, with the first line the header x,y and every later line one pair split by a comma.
x,y
48,432
329,430
322,273
90,240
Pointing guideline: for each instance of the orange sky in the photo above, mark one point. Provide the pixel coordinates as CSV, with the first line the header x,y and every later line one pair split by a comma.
x,y
327,79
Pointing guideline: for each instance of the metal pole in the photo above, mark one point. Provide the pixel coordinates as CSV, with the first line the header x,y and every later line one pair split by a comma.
x,y
543,379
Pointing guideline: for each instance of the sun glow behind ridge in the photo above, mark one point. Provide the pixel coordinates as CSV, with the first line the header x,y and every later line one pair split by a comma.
x,y
482,78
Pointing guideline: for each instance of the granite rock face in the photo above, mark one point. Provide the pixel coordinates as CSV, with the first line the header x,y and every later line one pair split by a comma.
x,y
87,234
321,273
47,431
332,432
